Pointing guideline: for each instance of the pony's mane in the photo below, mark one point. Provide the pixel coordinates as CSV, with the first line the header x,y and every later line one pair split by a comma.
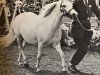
x,y
48,9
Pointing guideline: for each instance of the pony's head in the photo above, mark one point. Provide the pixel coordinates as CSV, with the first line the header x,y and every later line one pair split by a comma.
x,y
66,8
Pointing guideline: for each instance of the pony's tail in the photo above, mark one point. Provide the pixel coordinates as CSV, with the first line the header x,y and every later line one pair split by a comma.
x,y
8,39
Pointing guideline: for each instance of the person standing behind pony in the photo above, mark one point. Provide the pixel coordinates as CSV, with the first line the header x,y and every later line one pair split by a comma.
x,y
80,34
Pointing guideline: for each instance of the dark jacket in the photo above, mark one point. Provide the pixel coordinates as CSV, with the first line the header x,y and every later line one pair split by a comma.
x,y
81,8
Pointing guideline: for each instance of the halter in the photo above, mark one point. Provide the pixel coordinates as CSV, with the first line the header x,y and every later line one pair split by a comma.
x,y
69,11
64,12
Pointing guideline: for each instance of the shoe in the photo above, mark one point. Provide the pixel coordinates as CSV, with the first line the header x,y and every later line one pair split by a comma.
x,y
73,69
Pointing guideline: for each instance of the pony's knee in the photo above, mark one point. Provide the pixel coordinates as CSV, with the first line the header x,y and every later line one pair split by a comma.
x,y
62,55
39,57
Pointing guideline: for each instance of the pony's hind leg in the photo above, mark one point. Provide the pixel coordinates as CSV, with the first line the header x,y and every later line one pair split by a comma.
x,y
40,46
21,53
24,43
62,55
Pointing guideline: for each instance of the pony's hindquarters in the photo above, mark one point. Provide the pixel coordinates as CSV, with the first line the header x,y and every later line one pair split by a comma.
x,y
26,25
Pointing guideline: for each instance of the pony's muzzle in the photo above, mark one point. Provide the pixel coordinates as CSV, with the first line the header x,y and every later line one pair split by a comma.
x,y
74,14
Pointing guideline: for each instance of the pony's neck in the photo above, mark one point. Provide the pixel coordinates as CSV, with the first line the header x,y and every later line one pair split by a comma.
x,y
56,16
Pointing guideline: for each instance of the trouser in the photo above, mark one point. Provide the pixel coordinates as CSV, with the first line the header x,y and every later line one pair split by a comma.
x,y
82,44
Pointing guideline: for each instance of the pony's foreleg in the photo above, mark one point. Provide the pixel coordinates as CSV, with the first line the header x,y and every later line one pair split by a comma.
x,y
21,53
62,55
40,46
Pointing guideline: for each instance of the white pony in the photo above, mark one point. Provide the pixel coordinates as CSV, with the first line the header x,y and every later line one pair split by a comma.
x,y
43,29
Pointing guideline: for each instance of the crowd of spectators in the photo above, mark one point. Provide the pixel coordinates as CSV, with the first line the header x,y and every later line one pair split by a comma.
x,y
27,6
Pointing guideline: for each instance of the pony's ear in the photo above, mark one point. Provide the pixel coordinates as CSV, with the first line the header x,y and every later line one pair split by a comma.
x,y
50,9
62,0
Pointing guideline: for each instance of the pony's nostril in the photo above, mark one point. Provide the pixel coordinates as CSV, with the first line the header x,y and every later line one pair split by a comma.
x,y
75,15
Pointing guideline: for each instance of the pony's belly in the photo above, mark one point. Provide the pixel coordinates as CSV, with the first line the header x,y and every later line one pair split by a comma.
x,y
30,40
54,40
29,36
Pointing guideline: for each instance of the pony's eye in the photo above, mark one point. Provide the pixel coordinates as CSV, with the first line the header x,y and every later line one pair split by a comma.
x,y
63,6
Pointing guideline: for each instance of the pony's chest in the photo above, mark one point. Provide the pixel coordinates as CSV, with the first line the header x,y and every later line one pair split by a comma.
x,y
56,37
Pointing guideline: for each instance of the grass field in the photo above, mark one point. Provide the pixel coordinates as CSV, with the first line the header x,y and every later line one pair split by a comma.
x,y
50,63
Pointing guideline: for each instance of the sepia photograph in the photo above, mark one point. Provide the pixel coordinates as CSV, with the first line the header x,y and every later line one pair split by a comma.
x,y
49,37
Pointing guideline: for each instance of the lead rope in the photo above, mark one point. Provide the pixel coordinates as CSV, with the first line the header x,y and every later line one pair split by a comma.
x,y
82,26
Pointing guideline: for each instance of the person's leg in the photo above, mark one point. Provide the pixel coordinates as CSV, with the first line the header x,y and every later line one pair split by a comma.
x,y
80,53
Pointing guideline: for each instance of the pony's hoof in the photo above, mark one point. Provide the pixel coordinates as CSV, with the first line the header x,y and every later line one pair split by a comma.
x,y
20,64
26,65
38,70
64,73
